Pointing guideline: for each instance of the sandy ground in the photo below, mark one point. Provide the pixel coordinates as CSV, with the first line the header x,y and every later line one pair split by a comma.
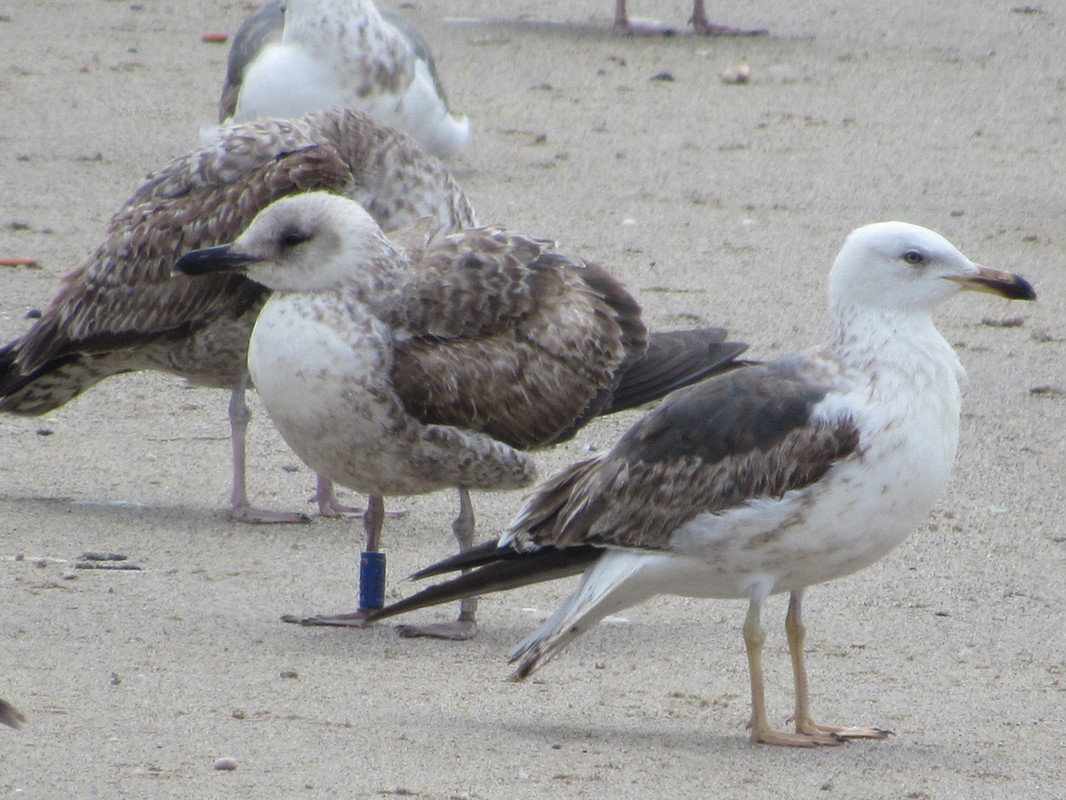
x,y
717,204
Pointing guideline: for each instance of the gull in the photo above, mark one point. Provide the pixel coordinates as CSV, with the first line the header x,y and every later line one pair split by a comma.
x,y
10,716
761,481
699,22
122,309
290,58
400,368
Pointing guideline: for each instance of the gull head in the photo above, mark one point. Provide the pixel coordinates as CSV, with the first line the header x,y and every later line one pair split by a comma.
x,y
305,243
904,267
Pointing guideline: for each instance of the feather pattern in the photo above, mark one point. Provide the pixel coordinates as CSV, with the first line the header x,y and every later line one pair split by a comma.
x,y
122,309
709,448
529,327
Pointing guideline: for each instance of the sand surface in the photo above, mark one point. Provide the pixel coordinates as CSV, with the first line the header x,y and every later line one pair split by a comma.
x,y
718,204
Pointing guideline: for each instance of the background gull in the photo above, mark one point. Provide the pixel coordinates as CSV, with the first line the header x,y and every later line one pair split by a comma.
x,y
291,58
764,480
403,370
123,310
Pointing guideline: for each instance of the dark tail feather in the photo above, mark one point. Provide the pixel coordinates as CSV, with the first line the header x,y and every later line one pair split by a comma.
x,y
9,715
509,572
477,556
675,359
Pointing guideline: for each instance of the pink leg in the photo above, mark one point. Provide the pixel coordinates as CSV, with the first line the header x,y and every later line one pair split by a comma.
x,y
329,506
626,27
465,626
705,27
240,509
373,520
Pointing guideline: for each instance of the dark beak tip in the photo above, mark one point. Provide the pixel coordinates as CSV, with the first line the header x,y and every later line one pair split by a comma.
x,y
209,260
1024,290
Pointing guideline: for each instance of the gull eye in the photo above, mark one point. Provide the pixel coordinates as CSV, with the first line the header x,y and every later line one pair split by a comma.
x,y
292,238
914,258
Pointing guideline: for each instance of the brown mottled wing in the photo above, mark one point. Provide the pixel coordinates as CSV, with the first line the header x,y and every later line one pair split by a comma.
x,y
256,32
394,178
737,437
510,337
125,293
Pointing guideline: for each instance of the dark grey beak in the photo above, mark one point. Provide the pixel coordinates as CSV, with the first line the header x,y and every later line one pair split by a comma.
x,y
213,259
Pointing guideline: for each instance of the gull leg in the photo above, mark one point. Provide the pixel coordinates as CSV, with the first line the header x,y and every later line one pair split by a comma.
x,y
329,506
761,729
624,26
465,626
373,519
240,509
805,724
705,27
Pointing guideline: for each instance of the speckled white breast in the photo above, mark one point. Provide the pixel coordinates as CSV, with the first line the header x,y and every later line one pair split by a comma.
x,y
322,365
316,374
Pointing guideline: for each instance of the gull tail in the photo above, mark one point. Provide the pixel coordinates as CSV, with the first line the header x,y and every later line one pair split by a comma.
x,y
497,569
606,588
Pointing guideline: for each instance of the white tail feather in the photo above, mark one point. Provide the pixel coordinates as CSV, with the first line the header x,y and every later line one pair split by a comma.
x,y
606,588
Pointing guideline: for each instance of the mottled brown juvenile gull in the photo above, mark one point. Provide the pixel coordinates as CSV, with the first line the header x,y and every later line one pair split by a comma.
x,y
764,480
398,369
123,310
299,56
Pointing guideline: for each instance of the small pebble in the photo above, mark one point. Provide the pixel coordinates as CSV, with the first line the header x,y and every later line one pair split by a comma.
x,y
741,74
228,764
214,38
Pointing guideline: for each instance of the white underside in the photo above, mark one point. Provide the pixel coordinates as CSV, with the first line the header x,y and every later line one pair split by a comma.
x,y
289,80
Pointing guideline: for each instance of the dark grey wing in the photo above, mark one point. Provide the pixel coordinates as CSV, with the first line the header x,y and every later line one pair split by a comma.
x,y
256,32
674,360
419,46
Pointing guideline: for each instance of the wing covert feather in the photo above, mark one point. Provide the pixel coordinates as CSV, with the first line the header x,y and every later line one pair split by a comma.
x,y
738,437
